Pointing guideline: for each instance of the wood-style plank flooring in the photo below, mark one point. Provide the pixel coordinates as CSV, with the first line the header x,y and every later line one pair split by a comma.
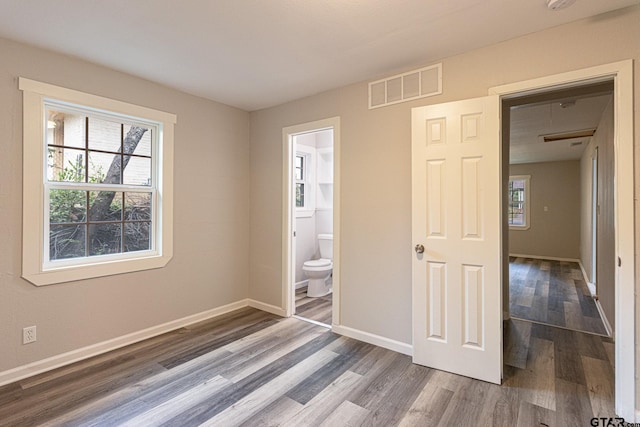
x,y
318,309
250,368
552,292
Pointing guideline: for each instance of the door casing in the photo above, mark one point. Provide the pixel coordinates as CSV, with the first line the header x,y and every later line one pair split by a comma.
x,y
288,210
622,75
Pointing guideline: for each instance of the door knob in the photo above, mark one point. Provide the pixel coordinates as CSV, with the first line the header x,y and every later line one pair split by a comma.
x,y
419,248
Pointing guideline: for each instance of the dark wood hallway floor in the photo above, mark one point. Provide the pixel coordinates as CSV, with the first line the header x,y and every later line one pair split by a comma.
x,y
552,292
250,368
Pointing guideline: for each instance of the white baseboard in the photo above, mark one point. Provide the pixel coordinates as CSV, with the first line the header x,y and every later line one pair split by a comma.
x,y
592,290
40,366
367,337
267,307
603,316
302,284
550,258
590,285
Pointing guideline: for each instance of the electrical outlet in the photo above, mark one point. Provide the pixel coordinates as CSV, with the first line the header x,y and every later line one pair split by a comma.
x,y
28,334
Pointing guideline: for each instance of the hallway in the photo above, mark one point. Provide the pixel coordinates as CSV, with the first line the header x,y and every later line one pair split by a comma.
x,y
553,293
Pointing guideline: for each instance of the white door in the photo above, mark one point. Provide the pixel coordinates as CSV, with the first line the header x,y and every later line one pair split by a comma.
x,y
457,321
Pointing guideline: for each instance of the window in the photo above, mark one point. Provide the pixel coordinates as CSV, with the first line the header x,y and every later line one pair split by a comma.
x,y
300,180
97,185
519,205
304,174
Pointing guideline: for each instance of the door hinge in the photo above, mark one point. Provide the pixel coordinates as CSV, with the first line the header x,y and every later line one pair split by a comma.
x,y
619,262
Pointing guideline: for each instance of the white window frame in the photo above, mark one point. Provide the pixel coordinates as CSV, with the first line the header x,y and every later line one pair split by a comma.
x,y
527,201
35,268
309,180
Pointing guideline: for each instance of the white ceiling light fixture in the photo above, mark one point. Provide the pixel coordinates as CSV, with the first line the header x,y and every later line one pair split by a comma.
x,y
559,4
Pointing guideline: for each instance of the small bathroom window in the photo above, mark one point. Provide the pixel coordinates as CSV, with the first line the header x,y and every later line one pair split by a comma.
x,y
304,175
300,169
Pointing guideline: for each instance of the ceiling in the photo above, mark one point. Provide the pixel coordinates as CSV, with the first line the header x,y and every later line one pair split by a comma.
x,y
531,122
254,54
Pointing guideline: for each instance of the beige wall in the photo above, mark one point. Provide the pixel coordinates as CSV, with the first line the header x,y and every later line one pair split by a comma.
x,y
554,232
210,266
376,169
602,140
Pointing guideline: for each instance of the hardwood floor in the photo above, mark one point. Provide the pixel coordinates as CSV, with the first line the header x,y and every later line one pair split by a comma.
x,y
318,309
251,368
552,292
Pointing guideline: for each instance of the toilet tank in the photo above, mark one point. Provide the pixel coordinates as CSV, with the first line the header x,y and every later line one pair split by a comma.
x,y
325,241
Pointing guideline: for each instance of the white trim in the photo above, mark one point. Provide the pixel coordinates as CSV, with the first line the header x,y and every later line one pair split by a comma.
x,y
288,215
370,338
625,340
592,291
590,285
315,322
603,316
77,97
33,203
302,283
267,307
50,363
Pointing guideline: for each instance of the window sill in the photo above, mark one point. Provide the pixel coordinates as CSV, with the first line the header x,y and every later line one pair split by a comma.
x,y
519,227
99,269
304,213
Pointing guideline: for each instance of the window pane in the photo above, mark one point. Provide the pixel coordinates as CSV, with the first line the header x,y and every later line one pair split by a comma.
x,y
67,241
104,168
134,136
137,171
517,211
143,147
65,164
137,206
105,239
299,168
516,214
67,206
66,129
104,135
299,195
105,206
137,236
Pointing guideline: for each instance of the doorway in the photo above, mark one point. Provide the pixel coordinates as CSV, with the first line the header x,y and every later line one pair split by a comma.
x,y
552,138
456,301
621,75
311,207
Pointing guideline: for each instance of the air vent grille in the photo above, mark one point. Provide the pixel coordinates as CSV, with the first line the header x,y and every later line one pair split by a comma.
x,y
404,87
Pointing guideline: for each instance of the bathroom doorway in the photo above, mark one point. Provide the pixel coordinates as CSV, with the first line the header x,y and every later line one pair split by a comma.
x,y
311,231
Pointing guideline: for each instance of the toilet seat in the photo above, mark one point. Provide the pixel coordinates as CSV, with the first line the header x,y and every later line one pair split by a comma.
x,y
315,263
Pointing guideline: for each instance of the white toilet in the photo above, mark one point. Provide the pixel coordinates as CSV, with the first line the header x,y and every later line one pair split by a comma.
x,y
319,270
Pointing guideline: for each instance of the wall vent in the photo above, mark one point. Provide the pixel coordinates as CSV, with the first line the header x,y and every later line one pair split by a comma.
x,y
407,86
